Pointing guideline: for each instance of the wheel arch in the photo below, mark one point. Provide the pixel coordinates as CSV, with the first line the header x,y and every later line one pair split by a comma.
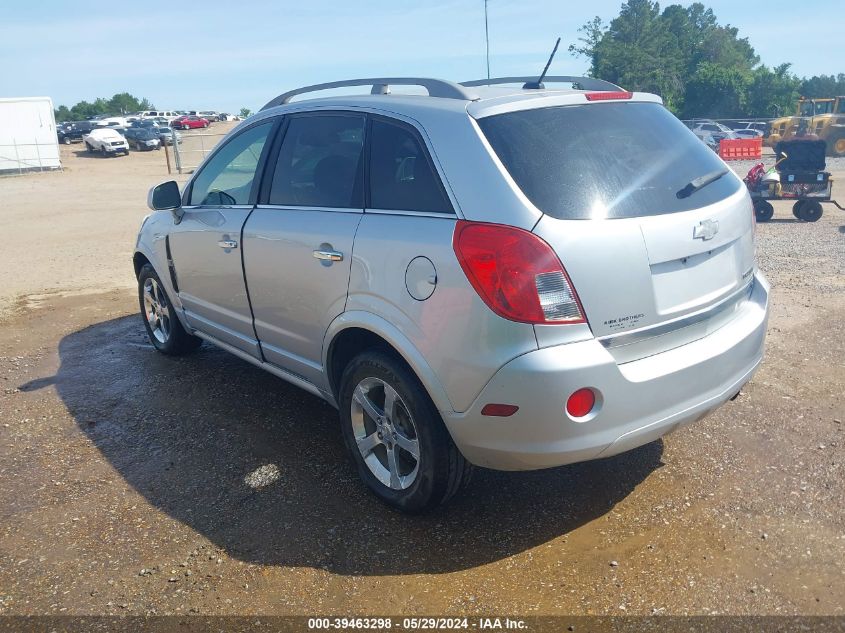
x,y
353,332
138,261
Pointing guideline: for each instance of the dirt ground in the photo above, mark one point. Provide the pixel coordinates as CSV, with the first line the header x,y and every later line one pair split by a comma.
x,y
131,483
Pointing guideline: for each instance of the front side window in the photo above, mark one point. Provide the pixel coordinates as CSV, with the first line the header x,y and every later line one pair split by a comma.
x,y
228,177
319,163
402,177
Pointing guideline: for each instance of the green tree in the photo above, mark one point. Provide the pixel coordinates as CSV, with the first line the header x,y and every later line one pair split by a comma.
x,y
245,112
682,53
772,92
121,103
823,86
716,91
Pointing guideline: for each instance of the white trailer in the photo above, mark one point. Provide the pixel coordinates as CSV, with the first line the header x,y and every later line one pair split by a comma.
x,y
28,139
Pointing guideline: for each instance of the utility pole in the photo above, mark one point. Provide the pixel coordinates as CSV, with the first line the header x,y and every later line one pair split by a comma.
x,y
487,38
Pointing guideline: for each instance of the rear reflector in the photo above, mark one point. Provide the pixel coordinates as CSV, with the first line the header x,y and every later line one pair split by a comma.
x,y
608,96
517,274
581,403
499,410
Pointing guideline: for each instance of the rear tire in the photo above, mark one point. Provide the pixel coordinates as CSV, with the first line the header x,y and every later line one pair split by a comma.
x,y
382,439
810,211
89,148
763,210
164,330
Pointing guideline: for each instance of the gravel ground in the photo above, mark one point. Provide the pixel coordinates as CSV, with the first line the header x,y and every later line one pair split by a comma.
x,y
131,483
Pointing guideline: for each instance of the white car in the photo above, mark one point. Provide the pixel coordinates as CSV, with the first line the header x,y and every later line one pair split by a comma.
x,y
155,114
112,121
705,129
751,130
106,141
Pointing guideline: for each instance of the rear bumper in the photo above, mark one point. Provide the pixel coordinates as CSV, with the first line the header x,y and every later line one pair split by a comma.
x,y
639,401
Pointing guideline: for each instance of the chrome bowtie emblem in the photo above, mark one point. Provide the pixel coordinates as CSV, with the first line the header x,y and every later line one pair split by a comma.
x,y
706,230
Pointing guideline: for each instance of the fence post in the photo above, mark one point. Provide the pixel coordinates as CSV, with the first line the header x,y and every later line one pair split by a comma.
x,y
38,155
17,156
167,152
176,155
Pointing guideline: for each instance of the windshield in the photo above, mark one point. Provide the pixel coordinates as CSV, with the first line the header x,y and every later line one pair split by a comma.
x,y
605,160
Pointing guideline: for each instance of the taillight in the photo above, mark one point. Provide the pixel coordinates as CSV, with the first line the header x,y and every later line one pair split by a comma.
x,y
516,274
608,96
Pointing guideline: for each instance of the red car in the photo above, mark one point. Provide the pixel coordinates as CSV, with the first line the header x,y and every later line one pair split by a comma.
x,y
188,122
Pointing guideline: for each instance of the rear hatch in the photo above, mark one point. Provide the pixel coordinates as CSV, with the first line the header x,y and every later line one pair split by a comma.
x,y
654,230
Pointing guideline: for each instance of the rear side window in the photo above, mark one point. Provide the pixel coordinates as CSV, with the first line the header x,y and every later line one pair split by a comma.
x,y
605,160
320,163
228,176
402,177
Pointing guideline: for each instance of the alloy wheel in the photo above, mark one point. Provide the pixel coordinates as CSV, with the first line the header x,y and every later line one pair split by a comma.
x,y
156,311
385,433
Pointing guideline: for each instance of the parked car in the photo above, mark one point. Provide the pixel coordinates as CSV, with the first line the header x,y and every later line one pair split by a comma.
x,y
751,129
106,141
144,123
187,122
713,131
225,116
168,135
112,121
479,276
209,115
71,131
155,114
143,138
63,133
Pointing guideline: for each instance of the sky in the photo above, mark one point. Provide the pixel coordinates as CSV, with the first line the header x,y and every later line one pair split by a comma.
x,y
228,55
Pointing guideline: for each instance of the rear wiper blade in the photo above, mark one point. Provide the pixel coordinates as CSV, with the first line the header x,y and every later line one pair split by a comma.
x,y
699,183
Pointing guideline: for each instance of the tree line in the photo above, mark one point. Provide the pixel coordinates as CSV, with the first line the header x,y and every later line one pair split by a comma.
x,y
700,67
119,104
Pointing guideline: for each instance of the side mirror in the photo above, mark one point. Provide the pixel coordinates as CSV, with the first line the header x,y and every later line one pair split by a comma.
x,y
165,197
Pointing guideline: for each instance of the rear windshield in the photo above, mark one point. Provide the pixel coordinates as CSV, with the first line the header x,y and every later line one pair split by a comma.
x,y
605,160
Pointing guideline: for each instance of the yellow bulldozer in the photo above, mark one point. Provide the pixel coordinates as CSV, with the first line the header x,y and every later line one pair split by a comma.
x,y
814,119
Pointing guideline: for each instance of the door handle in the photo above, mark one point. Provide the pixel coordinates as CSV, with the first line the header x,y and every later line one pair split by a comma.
x,y
227,244
329,256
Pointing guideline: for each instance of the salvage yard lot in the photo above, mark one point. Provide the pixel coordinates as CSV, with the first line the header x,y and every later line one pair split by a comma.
x,y
134,483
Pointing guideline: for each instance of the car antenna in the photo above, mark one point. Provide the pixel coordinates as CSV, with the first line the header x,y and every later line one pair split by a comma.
x,y
538,85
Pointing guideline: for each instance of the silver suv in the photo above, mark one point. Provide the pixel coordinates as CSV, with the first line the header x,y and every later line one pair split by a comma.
x,y
513,277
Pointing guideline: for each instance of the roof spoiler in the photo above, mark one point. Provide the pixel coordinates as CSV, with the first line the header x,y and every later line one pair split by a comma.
x,y
530,83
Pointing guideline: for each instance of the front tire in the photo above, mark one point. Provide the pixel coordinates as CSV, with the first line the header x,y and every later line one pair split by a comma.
x,y
163,327
396,437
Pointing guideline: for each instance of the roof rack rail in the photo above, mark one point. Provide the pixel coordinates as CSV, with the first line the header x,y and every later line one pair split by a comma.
x,y
381,86
584,83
